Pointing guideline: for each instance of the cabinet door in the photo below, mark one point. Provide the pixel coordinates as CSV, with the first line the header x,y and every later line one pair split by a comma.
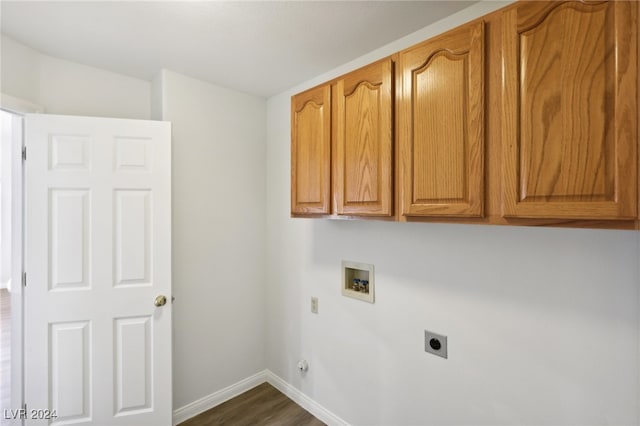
x,y
311,151
569,118
364,141
442,125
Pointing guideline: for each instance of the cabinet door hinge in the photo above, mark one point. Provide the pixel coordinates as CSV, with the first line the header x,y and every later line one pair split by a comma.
x,y
24,279
24,153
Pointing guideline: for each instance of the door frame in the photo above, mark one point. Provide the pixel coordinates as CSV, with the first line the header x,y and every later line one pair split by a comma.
x,y
18,107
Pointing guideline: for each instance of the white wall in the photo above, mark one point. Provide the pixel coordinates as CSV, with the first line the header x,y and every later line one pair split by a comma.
x,y
543,324
218,202
64,87
218,233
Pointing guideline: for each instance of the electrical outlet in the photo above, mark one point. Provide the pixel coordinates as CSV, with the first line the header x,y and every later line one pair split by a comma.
x,y
314,305
435,344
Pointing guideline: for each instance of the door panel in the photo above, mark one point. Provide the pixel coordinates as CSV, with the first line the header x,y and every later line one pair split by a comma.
x,y
70,363
69,239
69,152
98,351
132,223
133,364
431,181
311,151
442,125
364,141
570,110
133,154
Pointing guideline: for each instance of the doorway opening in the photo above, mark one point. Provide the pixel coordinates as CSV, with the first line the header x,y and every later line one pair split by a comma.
x,y
11,236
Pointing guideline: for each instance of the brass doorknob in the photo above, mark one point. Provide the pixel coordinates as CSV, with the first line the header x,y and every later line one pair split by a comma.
x,y
160,300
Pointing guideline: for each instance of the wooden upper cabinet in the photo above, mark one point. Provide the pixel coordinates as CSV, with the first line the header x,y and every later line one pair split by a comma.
x,y
569,116
311,151
441,116
363,135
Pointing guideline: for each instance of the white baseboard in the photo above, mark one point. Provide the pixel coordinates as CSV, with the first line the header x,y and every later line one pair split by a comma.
x,y
304,401
203,404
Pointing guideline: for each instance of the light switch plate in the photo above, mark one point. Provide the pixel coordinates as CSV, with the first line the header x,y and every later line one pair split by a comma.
x,y
435,343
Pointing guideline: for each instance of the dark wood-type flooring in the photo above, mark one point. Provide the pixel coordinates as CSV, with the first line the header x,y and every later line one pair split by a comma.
x,y
5,354
261,406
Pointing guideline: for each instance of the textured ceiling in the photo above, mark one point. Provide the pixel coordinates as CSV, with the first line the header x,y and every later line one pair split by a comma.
x,y
260,48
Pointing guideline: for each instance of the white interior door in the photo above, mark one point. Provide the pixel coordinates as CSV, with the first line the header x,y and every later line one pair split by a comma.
x,y
98,253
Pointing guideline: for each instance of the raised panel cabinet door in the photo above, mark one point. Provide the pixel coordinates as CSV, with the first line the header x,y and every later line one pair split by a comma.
x,y
569,118
364,141
311,151
442,125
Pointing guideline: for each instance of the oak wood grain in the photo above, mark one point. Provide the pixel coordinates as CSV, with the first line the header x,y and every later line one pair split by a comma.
x,y
311,151
499,119
363,133
569,110
441,117
261,406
